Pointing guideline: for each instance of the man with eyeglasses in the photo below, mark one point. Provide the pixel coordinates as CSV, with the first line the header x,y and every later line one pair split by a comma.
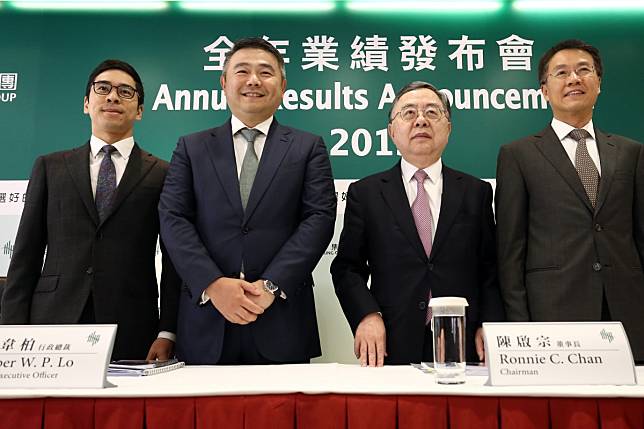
x,y
93,211
570,208
419,230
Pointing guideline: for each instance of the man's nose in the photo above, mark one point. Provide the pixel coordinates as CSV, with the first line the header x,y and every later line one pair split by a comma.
x,y
421,120
253,79
113,95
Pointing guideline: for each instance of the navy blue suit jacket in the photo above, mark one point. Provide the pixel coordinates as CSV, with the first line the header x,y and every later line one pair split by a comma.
x,y
281,236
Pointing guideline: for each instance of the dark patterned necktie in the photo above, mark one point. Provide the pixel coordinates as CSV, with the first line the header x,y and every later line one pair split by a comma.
x,y
249,165
424,220
585,166
106,184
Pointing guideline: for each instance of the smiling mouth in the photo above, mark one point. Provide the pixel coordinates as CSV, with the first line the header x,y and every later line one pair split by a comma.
x,y
575,93
253,95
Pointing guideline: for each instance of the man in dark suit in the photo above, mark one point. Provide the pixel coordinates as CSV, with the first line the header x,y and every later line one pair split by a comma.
x,y
94,210
570,208
247,211
416,229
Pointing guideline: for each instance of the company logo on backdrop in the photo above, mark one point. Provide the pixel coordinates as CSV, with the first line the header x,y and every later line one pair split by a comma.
x,y
7,249
8,87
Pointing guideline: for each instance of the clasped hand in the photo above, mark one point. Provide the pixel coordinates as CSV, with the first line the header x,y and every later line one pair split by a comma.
x,y
239,301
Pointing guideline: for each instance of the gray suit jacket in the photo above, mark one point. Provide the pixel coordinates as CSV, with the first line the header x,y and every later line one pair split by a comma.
x,y
558,255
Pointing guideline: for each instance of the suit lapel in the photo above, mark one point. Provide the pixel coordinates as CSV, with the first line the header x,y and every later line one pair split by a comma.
x,y
222,155
550,146
395,196
451,201
607,158
277,144
77,162
138,165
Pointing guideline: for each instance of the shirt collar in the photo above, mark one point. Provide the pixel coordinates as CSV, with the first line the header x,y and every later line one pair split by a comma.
x,y
562,129
124,147
237,125
434,171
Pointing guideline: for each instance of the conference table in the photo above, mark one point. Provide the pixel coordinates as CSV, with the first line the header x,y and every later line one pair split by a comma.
x,y
334,396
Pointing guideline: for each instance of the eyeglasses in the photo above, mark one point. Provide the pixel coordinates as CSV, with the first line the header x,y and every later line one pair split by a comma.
x,y
123,91
411,113
581,71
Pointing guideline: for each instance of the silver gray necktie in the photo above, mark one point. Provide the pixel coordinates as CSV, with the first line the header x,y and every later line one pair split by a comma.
x,y
249,165
585,166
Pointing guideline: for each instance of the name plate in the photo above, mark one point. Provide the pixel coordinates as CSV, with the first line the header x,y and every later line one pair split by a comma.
x,y
55,356
556,353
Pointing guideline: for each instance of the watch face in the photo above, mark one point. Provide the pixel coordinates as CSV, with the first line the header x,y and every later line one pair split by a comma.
x,y
270,286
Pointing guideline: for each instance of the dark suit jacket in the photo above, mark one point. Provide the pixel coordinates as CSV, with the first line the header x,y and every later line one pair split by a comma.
x,y
557,255
281,236
112,260
380,240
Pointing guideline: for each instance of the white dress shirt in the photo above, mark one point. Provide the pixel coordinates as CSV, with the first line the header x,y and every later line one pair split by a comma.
x,y
240,144
433,186
562,130
120,157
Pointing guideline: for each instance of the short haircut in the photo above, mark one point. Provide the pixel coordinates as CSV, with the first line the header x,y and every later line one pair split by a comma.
x,y
255,43
569,44
116,65
419,84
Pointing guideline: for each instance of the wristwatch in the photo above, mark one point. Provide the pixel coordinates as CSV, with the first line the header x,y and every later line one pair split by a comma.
x,y
273,289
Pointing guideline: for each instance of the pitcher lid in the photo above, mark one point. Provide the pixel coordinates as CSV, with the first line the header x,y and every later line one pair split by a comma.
x,y
448,301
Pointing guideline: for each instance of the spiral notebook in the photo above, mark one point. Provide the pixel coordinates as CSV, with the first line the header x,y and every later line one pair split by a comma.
x,y
137,368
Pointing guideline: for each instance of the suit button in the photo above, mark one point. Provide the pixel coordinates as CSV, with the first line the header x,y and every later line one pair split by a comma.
x,y
99,236
597,266
422,305
90,271
431,267
244,231
598,227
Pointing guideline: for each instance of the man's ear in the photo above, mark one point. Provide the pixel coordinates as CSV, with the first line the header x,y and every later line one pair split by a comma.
x,y
544,91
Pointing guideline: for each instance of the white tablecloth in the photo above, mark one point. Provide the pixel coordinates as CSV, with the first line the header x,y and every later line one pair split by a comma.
x,y
315,379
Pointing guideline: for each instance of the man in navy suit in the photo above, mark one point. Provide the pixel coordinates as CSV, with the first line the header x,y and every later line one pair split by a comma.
x,y
416,229
247,210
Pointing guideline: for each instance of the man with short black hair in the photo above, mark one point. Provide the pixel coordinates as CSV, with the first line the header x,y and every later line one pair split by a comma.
x,y
247,211
570,208
94,210
418,230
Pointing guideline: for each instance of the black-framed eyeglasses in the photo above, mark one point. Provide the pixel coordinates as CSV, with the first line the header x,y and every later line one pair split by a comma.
x,y
410,113
123,91
581,71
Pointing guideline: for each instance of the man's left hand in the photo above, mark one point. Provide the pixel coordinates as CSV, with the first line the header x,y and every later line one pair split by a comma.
x,y
161,349
480,344
265,299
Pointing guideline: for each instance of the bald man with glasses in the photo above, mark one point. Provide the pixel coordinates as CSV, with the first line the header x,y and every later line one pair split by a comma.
x,y
418,230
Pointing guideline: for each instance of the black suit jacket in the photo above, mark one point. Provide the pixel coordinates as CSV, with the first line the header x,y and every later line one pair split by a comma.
x,y
113,260
380,240
558,255
281,236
